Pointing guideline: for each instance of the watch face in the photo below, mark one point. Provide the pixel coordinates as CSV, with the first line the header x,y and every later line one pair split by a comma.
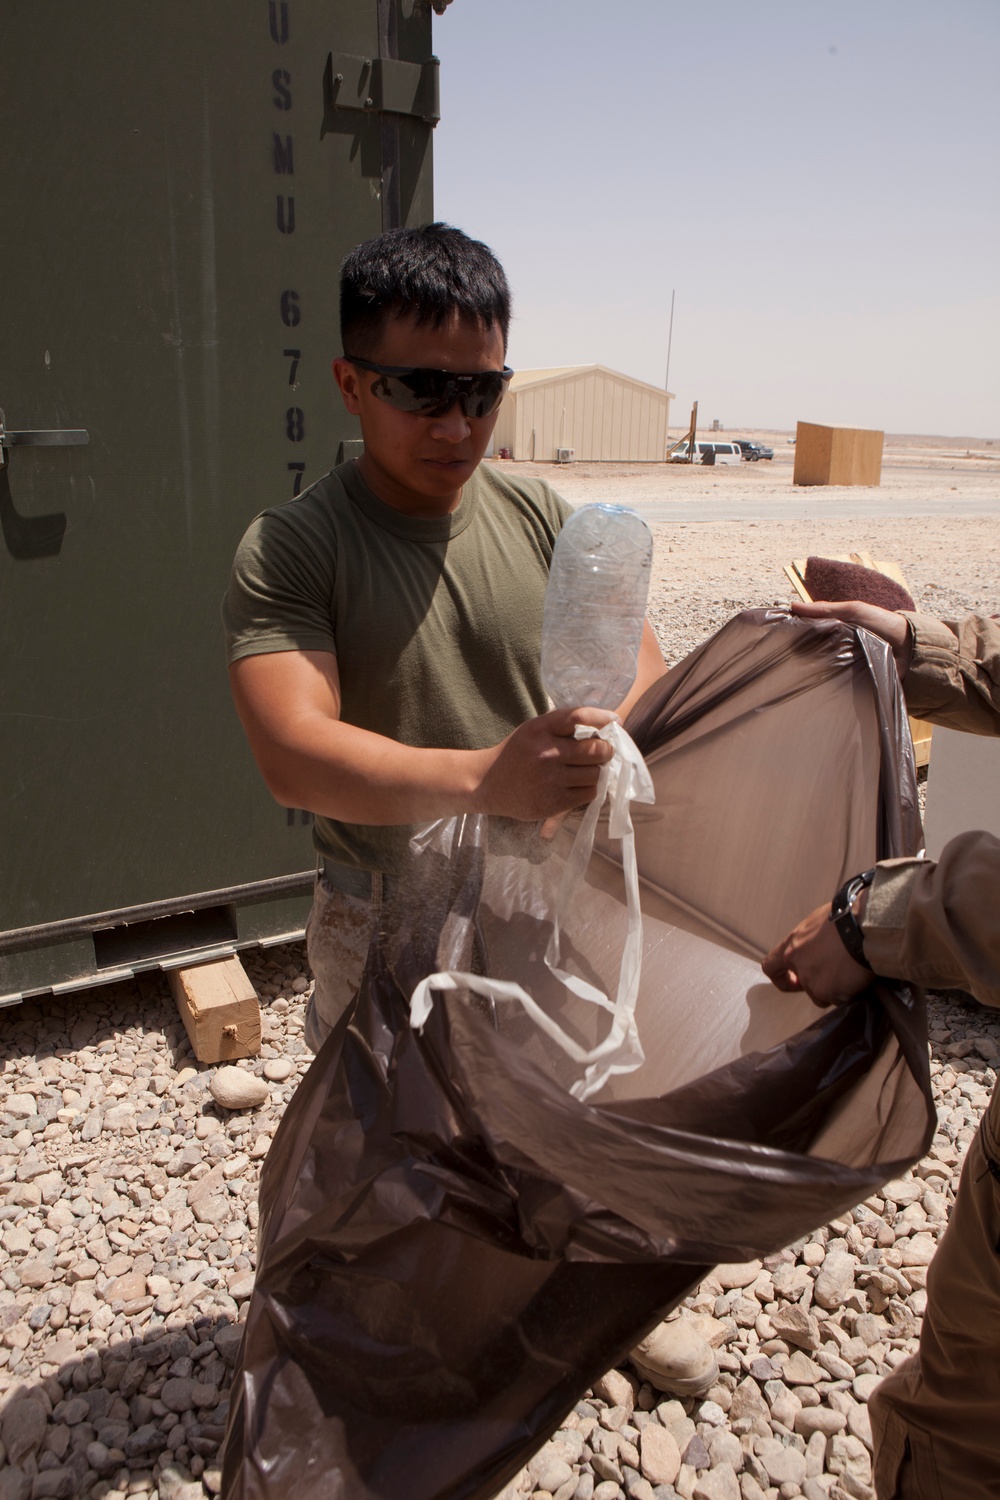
x,y
845,898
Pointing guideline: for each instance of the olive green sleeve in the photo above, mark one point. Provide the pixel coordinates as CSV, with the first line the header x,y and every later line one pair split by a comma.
x,y
280,591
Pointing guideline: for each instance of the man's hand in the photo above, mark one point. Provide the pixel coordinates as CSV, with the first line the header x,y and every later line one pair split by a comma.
x,y
885,623
813,958
289,704
542,769
651,668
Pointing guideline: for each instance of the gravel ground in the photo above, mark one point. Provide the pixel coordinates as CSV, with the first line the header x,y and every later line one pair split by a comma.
x,y
705,572
128,1198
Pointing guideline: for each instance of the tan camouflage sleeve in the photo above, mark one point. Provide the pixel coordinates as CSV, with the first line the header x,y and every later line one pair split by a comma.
x,y
937,922
954,675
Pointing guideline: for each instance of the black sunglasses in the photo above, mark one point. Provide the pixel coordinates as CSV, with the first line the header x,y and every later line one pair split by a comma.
x,y
431,393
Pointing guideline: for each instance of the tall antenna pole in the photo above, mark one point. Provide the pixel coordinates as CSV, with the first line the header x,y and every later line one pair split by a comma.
x,y
670,339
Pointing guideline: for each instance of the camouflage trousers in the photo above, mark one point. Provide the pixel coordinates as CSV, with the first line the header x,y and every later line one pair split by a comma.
x,y
338,933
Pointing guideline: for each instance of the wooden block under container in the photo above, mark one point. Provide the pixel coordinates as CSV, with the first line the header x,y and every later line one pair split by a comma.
x,y
220,1009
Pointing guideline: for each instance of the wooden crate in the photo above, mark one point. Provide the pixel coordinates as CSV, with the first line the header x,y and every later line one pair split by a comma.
x,y
837,455
920,730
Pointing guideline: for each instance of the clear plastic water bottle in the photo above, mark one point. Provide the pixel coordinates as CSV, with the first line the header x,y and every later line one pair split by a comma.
x,y
595,604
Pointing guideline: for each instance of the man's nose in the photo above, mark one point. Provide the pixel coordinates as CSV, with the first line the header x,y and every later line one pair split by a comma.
x,y
454,426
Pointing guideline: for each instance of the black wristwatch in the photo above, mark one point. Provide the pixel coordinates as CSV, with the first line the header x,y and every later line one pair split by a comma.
x,y
843,918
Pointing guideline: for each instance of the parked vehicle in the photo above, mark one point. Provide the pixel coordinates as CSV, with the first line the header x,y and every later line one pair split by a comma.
x,y
722,453
753,451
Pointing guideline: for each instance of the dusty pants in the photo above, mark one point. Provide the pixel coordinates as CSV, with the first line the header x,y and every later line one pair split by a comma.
x,y
338,933
936,1419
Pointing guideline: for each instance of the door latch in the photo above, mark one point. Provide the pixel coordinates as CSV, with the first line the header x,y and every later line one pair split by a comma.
x,y
40,437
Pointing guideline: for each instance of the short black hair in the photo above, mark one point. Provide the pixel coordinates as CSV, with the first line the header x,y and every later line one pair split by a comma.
x,y
432,272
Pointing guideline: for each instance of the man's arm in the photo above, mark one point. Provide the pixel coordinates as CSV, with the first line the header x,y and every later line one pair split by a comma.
x,y
950,670
651,666
937,922
954,672
932,922
289,705
813,958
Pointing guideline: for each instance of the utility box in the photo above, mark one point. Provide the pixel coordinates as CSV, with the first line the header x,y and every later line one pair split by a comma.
x,y
963,787
837,455
180,184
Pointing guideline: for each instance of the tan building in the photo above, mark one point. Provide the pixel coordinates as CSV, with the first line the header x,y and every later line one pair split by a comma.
x,y
587,410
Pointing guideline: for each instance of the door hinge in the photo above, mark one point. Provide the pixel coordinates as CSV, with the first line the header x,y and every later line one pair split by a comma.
x,y
383,85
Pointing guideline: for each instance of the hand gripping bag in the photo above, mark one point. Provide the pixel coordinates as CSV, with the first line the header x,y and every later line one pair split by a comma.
x,y
453,1245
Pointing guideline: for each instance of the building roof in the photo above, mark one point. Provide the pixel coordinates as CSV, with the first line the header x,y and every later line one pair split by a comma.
x,y
574,372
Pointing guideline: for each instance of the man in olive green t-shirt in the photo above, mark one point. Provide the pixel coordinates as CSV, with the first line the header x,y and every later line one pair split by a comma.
x,y
384,628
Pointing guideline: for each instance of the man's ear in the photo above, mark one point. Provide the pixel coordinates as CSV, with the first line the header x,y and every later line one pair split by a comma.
x,y
346,376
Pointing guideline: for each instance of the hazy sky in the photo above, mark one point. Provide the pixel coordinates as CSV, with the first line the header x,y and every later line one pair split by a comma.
x,y
819,181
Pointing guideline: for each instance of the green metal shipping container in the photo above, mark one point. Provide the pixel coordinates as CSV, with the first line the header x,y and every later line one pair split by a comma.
x,y
180,183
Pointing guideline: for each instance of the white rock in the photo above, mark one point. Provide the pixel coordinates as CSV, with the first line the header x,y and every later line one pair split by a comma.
x,y
820,1419
677,1422
834,1365
783,1464
234,1088
616,1389
661,1457
711,1412
731,1276
859,1423
16,1239
21,1106
835,1281
718,1484
725,1448
918,1250
903,1191
277,1069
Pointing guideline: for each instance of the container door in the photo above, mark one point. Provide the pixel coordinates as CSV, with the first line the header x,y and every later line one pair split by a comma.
x,y
180,185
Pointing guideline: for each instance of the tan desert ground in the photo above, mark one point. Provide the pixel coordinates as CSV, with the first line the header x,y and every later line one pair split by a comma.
x,y
722,535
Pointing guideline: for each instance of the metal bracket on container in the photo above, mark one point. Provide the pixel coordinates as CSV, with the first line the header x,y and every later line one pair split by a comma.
x,y
383,85
32,536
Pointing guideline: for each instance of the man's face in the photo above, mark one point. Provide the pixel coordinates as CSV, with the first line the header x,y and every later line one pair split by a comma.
x,y
419,464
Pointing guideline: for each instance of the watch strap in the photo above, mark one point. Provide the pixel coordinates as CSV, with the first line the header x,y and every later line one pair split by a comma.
x,y
843,918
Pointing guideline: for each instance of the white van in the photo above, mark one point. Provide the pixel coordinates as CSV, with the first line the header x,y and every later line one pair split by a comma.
x,y
725,453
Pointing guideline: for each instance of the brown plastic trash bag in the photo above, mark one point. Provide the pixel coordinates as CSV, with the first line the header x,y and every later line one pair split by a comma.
x,y
452,1246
